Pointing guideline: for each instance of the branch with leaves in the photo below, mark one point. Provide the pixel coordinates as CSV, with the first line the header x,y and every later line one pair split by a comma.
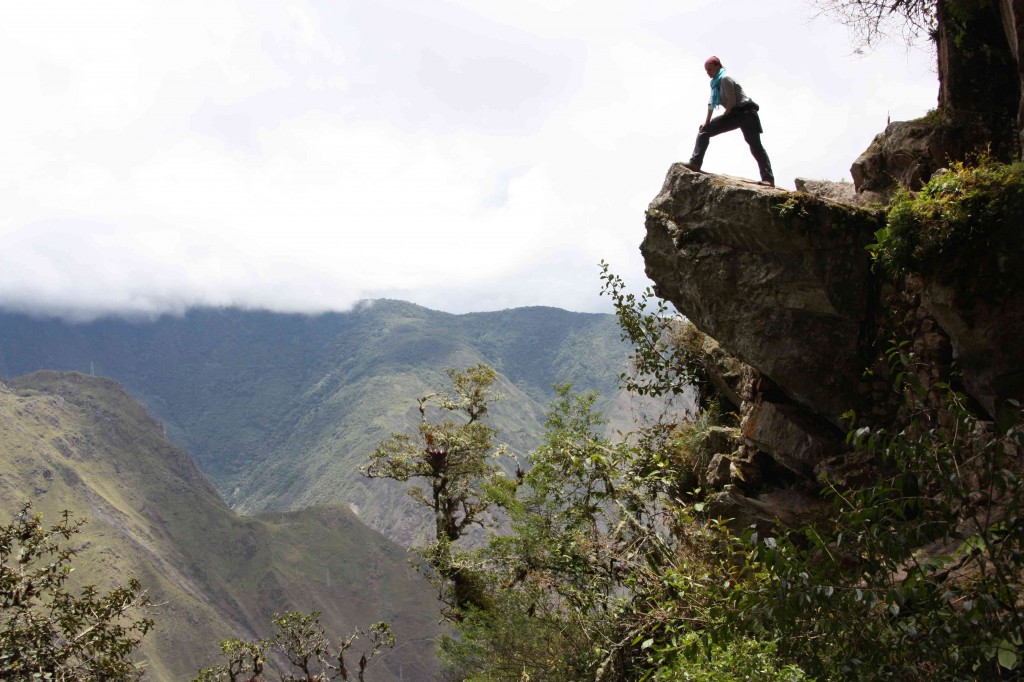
x,y
51,633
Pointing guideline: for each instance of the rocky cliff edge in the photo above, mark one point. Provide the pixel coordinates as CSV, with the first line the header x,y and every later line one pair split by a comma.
x,y
784,282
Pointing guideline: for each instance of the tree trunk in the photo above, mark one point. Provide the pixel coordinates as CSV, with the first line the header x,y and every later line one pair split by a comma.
x,y
1012,14
979,68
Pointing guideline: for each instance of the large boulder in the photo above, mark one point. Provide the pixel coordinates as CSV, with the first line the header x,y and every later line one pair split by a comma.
x,y
908,153
843,192
781,280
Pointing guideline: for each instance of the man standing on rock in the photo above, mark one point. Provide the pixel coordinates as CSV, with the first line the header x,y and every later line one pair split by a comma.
x,y
740,112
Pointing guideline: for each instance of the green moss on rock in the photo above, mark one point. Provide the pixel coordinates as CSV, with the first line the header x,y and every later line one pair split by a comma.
x,y
964,229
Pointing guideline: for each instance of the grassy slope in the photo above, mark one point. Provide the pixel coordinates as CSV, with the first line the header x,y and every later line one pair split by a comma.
x,y
69,441
280,410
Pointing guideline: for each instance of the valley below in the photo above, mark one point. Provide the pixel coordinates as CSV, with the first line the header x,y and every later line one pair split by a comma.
x,y
222,467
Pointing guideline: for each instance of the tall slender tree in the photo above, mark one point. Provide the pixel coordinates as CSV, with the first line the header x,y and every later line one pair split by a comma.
x,y
456,458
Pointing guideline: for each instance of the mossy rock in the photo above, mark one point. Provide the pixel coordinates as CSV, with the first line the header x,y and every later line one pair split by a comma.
x,y
965,229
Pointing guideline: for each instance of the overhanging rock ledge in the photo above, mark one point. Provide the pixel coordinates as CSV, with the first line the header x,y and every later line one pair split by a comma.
x,y
782,280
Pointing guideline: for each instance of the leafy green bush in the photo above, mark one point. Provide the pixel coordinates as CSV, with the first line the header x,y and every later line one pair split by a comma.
x,y
51,633
958,228
920,575
609,572
609,566
737,660
668,349
605,572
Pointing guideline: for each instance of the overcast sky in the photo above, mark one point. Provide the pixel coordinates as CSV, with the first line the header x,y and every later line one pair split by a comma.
x,y
301,155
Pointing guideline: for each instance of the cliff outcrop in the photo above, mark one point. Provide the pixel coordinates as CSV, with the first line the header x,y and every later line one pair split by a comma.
x,y
874,330
785,283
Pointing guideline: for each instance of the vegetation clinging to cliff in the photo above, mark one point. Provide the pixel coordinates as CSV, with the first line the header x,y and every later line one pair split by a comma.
x,y
919,572
667,348
958,228
612,569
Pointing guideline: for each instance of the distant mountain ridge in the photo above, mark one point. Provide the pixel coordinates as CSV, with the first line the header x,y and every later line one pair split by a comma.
x,y
279,410
76,442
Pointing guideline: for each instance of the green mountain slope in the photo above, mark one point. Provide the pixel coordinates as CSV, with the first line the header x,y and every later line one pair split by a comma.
x,y
71,441
280,410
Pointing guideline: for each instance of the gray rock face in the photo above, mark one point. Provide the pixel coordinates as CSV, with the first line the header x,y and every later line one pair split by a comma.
x,y
787,433
781,280
717,475
987,340
781,283
843,192
908,152
725,372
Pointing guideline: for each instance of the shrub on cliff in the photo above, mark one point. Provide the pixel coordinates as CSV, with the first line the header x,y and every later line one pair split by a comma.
x,y
962,229
609,569
459,461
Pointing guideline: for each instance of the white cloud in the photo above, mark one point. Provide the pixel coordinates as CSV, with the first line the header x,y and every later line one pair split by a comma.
x,y
465,155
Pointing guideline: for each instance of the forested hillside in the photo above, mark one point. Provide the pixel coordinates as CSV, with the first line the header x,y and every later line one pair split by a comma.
x,y
280,410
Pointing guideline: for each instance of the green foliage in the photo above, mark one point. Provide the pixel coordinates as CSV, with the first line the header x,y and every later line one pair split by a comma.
x,y
921,574
685,445
954,230
607,568
300,640
790,209
738,660
554,574
535,646
244,660
603,568
611,570
458,460
667,349
49,632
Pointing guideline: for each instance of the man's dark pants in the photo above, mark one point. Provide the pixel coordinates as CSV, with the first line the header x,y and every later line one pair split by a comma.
x,y
747,121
